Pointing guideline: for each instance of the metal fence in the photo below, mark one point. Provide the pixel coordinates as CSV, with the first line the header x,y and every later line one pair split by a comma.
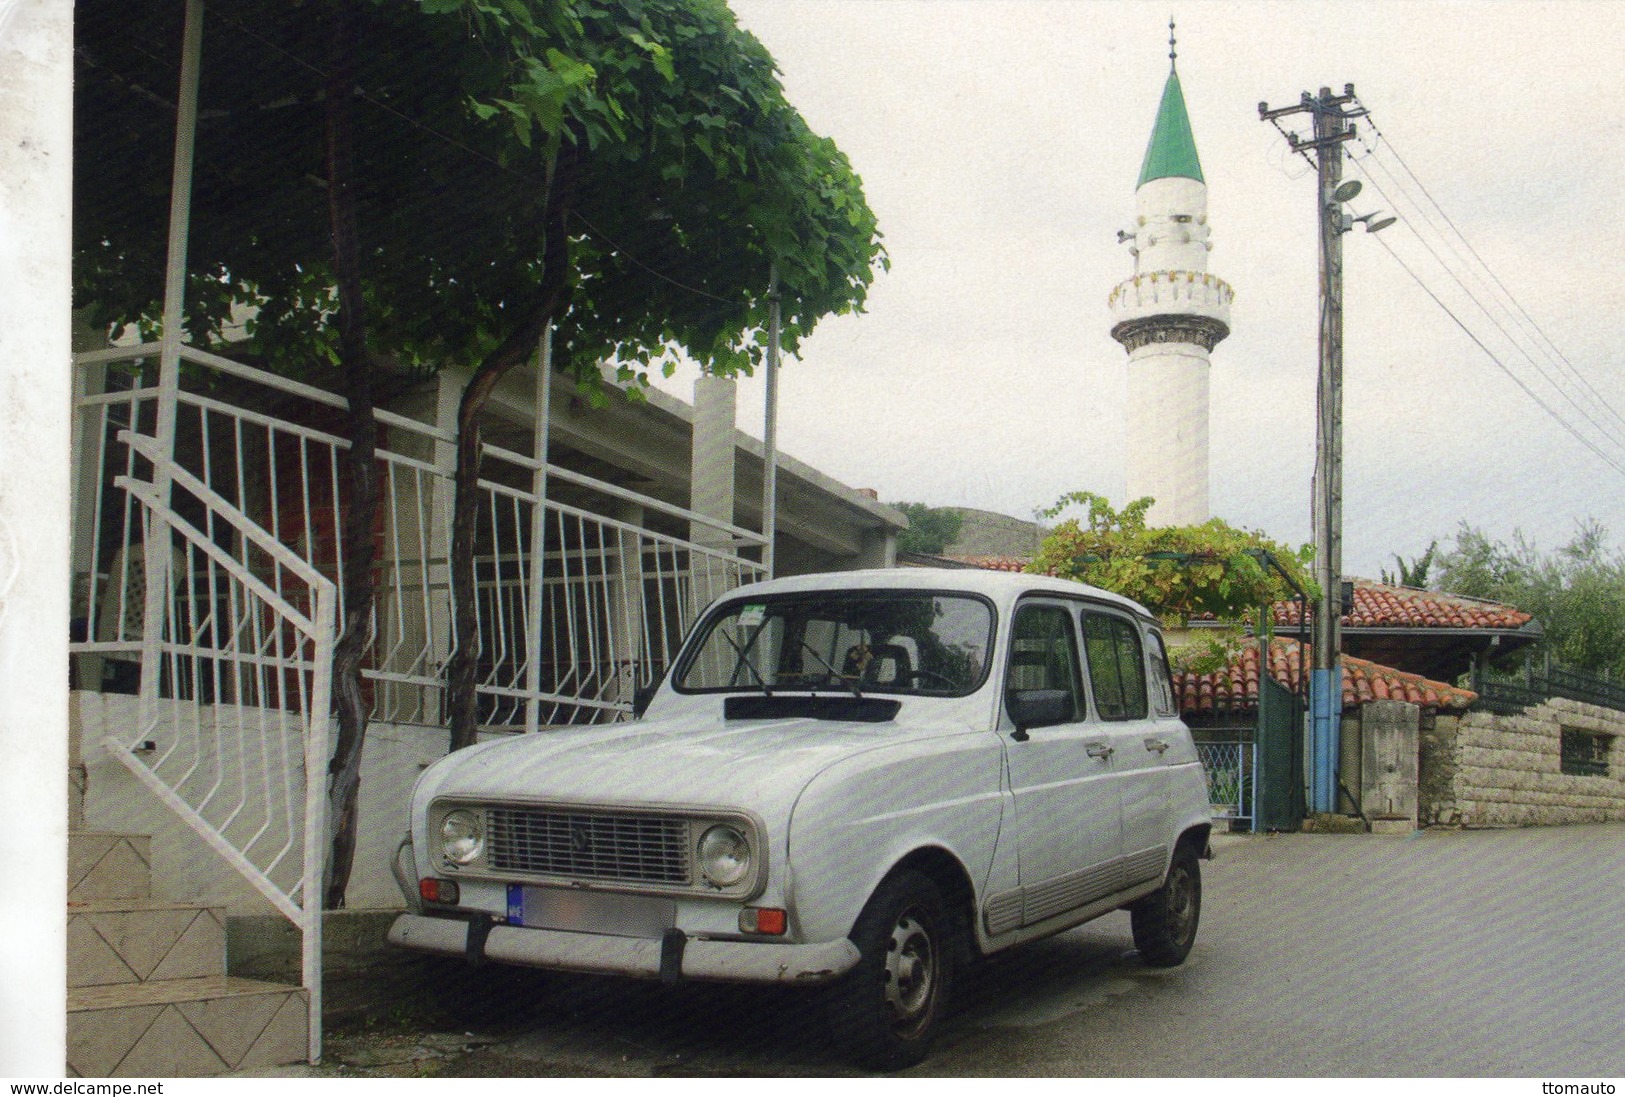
x,y
1231,769
575,608
1538,683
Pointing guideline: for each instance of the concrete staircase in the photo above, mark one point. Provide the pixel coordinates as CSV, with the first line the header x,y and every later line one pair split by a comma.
x,y
148,993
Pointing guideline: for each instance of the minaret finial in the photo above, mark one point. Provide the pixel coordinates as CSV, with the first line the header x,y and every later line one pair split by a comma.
x,y
1173,52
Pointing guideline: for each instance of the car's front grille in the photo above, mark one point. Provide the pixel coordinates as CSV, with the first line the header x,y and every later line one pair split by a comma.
x,y
645,849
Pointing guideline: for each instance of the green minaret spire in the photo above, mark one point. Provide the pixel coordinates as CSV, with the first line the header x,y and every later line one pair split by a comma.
x,y
1172,151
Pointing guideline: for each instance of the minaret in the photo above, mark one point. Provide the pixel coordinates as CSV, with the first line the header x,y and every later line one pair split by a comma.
x,y
1168,317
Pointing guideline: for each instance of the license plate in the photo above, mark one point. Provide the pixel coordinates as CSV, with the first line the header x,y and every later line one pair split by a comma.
x,y
590,911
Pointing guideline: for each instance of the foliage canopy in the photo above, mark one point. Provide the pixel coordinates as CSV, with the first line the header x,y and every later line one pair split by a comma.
x,y
1577,592
1177,572
694,175
930,529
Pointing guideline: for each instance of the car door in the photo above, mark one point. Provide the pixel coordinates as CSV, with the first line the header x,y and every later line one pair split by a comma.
x,y
1116,651
1066,811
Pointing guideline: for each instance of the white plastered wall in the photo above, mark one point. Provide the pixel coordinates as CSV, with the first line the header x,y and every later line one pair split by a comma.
x,y
1168,432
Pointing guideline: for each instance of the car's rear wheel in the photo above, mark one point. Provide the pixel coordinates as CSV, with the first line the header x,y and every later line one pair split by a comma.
x,y
1165,921
886,1011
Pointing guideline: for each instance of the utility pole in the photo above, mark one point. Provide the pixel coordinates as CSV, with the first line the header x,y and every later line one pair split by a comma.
x,y
1332,127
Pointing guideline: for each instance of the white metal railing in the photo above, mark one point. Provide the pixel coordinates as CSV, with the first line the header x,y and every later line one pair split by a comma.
x,y
233,732
566,634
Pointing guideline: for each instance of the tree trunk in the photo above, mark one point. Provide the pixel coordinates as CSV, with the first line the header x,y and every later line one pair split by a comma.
x,y
462,671
357,533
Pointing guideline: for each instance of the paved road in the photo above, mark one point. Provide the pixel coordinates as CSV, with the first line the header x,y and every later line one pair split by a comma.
x,y
1498,953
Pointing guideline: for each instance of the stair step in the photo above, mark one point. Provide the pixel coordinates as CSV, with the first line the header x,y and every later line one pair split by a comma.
x,y
104,865
184,1028
115,941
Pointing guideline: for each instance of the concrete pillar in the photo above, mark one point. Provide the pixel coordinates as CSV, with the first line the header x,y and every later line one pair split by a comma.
x,y
36,182
879,549
711,487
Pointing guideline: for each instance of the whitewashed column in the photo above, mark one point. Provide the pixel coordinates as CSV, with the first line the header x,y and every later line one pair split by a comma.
x,y
36,181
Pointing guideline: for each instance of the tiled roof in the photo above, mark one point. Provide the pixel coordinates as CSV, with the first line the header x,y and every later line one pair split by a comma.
x,y
1235,688
1376,605
993,563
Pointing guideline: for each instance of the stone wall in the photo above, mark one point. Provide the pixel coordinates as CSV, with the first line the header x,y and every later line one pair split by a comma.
x,y
1484,769
1439,762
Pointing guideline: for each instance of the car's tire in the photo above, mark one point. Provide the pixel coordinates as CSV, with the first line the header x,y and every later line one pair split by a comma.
x,y
1165,921
885,1012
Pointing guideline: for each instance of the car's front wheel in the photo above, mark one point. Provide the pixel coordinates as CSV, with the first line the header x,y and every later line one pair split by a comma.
x,y
1164,922
885,1012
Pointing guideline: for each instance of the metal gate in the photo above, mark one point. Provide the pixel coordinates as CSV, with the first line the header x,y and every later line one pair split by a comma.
x,y
1280,758
1230,765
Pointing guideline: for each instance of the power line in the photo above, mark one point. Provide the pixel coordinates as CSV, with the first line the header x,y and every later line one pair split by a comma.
x,y
1499,284
1605,431
1548,347
1617,466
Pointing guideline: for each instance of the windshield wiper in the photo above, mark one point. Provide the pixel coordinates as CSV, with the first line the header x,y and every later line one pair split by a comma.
x,y
744,659
849,683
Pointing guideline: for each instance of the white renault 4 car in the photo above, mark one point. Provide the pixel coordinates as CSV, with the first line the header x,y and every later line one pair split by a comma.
x,y
858,780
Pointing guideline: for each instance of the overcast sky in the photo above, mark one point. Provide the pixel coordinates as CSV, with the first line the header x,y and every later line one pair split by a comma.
x,y
999,144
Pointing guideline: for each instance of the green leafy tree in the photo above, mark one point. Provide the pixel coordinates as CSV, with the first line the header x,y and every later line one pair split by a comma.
x,y
1577,592
930,529
627,172
1179,573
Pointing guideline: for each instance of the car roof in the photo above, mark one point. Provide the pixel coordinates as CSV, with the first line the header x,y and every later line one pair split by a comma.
x,y
1002,587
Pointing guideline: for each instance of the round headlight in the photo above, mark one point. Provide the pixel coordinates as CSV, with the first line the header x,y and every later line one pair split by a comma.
x,y
724,855
461,837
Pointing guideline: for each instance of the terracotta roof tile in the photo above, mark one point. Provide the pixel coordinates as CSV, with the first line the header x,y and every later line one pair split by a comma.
x,y
1376,605
994,563
1235,688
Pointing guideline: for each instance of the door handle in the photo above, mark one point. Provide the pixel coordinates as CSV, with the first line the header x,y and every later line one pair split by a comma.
x,y
1099,750
1156,745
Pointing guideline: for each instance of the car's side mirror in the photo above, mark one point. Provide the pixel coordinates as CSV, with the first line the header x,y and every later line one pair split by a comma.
x,y
1037,708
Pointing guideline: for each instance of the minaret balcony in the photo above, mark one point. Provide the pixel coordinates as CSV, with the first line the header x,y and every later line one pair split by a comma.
x,y
1178,306
1161,292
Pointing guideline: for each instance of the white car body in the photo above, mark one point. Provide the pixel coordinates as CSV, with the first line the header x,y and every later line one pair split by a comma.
x,y
1024,832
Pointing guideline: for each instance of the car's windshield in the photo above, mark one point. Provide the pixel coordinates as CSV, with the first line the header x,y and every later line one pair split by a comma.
x,y
894,642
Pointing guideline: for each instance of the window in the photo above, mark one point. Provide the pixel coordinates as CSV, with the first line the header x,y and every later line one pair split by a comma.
x,y
1162,685
1584,754
1044,653
899,642
1116,666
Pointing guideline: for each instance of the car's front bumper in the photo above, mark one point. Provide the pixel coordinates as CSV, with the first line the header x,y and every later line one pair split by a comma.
x,y
674,956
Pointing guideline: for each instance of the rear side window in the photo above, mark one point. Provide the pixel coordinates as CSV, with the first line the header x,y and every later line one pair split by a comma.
x,y
1044,653
1162,686
1116,666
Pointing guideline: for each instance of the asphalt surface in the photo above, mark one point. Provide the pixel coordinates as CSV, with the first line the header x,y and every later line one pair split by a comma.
x,y
1445,953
